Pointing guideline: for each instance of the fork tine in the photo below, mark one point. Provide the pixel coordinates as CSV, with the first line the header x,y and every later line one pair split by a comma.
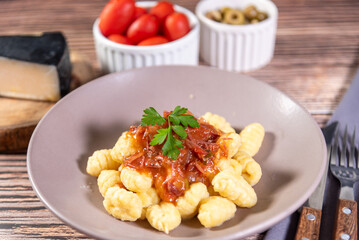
x,y
343,160
352,162
334,148
356,153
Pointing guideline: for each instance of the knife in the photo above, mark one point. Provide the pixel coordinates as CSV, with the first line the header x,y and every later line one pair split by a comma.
x,y
310,217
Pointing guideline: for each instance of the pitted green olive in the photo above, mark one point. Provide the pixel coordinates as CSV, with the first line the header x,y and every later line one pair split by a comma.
x,y
214,15
234,17
250,12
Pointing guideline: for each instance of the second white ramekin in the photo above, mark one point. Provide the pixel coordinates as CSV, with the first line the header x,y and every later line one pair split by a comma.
x,y
115,57
239,48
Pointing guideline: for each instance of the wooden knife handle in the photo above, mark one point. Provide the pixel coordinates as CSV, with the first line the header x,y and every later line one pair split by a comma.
x,y
346,220
309,224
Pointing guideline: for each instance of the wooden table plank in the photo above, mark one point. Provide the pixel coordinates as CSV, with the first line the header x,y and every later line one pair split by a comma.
x,y
316,55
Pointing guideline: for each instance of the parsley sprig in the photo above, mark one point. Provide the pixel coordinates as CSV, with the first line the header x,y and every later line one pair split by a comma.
x,y
177,121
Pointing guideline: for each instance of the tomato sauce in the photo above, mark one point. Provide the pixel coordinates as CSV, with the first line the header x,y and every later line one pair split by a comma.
x,y
196,162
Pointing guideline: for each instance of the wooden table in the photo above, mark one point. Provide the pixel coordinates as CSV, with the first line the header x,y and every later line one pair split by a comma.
x,y
316,55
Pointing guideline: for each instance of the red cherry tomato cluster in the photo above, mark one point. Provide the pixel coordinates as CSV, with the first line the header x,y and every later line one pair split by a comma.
x,y
123,22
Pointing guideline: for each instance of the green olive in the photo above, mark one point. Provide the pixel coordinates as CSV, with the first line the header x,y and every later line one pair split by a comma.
x,y
261,16
250,12
214,15
233,16
249,15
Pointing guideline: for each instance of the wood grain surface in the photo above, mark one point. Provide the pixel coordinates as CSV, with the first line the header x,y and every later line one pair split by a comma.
x,y
18,119
316,55
346,220
309,224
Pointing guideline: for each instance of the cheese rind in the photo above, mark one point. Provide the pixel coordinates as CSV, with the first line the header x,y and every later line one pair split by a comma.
x,y
34,67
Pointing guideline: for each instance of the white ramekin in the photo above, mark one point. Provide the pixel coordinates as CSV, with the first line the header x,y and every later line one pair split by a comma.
x,y
237,48
115,57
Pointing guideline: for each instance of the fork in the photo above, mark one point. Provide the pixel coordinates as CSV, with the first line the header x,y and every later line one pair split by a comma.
x,y
344,166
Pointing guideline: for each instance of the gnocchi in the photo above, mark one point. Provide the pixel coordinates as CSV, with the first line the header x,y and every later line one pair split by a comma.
x,y
218,121
164,216
252,171
108,179
148,198
125,146
235,188
232,164
100,160
215,210
230,142
252,137
135,181
123,204
214,173
187,204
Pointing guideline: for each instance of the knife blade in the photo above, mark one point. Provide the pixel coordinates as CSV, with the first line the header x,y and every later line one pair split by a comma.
x,y
310,217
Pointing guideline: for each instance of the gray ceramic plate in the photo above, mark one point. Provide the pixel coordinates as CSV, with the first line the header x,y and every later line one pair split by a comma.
x,y
92,117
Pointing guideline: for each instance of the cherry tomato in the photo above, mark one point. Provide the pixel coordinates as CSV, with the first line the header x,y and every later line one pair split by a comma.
x,y
119,39
116,16
144,27
139,11
176,26
161,10
153,41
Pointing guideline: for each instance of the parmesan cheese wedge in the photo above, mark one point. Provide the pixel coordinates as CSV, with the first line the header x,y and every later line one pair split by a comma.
x,y
34,67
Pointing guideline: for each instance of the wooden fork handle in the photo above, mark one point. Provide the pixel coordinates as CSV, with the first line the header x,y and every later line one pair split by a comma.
x,y
346,220
309,224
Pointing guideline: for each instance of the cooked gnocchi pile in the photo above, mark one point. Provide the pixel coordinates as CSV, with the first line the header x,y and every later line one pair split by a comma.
x,y
166,172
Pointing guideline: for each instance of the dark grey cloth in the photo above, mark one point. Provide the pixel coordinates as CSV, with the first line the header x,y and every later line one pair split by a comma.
x,y
347,113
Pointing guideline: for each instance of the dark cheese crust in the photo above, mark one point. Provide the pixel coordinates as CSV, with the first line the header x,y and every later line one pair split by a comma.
x,y
48,49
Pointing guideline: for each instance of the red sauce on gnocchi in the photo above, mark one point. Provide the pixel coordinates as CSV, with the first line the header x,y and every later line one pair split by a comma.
x,y
196,162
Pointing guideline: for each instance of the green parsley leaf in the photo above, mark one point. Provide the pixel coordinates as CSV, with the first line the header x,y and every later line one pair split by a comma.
x,y
171,147
179,119
179,111
180,131
188,120
160,137
174,119
152,117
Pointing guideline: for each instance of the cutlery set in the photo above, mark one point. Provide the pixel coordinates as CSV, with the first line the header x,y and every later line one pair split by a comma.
x,y
342,144
311,213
